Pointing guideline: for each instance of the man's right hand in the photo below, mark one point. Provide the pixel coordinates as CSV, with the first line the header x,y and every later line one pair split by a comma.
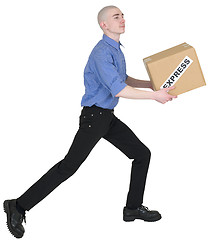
x,y
162,95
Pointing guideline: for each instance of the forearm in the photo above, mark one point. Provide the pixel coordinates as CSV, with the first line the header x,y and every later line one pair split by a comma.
x,y
161,95
138,83
132,93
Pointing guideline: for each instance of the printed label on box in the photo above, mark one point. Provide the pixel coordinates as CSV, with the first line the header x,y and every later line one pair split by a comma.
x,y
177,73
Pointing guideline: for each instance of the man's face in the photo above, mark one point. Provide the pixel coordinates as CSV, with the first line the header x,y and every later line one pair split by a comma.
x,y
115,22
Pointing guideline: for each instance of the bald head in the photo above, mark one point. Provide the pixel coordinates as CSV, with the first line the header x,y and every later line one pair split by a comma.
x,y
102,15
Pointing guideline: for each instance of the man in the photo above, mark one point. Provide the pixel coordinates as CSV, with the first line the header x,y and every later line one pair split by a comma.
x,y
105,81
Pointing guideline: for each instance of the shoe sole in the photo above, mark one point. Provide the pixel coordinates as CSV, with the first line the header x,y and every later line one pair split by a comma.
x,y
6,210
132,218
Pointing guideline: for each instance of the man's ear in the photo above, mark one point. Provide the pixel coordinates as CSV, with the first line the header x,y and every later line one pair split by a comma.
x,y
103,25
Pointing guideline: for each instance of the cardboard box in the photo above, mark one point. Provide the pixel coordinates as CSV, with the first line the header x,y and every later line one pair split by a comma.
x,y
177,66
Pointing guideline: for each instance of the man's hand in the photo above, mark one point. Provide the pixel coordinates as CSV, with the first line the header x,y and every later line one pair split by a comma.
x,y
162,95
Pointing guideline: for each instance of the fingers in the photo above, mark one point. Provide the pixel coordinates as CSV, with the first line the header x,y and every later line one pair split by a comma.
x,y
170,96
169,89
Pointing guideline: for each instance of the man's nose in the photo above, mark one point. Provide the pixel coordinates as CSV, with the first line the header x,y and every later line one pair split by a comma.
x,y
123,20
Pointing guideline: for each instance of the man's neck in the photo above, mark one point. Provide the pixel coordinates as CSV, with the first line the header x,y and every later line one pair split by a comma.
x,y
115,37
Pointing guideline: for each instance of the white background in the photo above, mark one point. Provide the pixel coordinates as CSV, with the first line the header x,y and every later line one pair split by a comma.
x,y
44,46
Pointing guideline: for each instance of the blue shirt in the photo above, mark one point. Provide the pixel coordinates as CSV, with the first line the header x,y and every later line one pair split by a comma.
x,y
104,74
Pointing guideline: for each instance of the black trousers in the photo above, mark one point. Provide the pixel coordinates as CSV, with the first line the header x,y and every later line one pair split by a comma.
x,y
95,123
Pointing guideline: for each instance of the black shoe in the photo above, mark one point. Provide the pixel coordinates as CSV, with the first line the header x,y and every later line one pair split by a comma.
x,y
14,218
142,213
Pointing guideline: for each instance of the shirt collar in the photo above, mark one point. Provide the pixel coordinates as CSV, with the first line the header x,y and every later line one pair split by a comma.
x,y
112,42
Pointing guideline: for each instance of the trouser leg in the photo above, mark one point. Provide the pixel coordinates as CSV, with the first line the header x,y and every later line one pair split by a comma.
x,y
80,148
125,140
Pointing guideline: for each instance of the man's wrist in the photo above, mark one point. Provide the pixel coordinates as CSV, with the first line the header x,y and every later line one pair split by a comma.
x,y
153,95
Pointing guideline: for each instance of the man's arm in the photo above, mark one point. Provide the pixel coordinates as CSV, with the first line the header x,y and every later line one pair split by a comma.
x,y
132,82
161,96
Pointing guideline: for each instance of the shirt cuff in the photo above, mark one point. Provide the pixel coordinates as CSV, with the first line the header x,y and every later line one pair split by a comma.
x,y
117,87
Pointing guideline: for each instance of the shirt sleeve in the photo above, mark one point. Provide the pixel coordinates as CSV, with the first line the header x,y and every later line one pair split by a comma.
x,y
107,72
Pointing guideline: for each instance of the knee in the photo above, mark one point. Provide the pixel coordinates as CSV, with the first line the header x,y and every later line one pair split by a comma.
x,y
147,154
143,155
